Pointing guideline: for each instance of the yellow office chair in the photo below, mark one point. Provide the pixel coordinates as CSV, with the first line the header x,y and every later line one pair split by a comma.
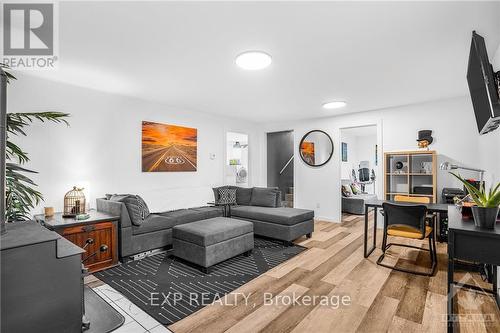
x,y
404,198
408,221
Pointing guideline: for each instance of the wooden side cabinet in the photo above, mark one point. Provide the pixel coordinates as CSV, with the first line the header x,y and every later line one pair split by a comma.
x,y
100,227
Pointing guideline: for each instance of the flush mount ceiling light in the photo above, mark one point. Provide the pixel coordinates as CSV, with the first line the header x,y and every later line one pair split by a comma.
x,y
334,105
253,60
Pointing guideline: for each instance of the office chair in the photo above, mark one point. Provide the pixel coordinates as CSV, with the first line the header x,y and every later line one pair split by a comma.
x,y
426,200
408,221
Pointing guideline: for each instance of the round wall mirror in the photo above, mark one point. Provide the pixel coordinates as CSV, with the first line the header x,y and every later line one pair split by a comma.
x,y
316,148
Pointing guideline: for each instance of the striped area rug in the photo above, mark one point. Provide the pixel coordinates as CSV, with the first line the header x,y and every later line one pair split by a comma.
x,y
169,289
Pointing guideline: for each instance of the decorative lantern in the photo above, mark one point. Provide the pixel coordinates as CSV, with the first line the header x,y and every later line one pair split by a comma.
x,y
74,202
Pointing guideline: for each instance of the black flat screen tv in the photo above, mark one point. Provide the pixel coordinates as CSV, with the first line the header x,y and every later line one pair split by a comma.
x,y
483,86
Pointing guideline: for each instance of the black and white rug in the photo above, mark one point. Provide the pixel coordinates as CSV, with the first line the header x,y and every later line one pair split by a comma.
x,y
169,289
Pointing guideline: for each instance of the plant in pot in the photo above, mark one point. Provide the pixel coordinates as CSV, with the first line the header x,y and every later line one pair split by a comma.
x,y
20,190
488,203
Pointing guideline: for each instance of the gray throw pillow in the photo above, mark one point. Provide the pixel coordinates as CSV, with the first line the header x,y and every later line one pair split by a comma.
x,y
137,209
216,192
227,196
265,197
117,197
243,196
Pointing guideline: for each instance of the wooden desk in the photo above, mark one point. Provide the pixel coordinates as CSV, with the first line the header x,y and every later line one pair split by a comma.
x,y
468,242
376,204
101,227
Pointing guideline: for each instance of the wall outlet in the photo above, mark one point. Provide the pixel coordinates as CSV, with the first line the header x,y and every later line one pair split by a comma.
x,y
212,156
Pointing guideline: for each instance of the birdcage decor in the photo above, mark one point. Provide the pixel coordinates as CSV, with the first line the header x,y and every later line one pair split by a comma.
x,y
74,202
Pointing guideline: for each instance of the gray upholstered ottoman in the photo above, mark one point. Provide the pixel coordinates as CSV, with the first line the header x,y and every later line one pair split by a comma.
x,y
209,242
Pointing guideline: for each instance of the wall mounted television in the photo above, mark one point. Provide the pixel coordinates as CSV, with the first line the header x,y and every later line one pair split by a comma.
x,y
484,86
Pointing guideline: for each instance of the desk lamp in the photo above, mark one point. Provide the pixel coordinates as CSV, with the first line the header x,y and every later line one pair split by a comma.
x,y
450,166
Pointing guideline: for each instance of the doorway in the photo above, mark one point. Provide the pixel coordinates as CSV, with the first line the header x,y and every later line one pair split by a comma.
x,y
359,168
280,155
236,163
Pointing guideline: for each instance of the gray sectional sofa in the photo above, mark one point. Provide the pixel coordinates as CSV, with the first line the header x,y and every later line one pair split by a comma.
x,y
256,205
354,203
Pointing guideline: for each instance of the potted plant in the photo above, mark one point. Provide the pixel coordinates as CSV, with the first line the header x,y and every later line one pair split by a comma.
x,y
20,191
487,203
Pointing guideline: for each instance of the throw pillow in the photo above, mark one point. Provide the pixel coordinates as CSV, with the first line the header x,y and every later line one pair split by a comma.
x,y
137,209
265,197
346,191
243,196
356,189
117,197
227,196
216,192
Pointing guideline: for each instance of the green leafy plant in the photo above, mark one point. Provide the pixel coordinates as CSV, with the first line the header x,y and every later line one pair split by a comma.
x,y
482,198
21,193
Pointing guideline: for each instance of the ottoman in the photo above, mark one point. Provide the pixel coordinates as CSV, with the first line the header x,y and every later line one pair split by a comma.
x,y
209,242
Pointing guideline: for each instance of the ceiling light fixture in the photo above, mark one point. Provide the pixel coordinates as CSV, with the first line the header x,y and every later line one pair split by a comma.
x,y
253,60
334,105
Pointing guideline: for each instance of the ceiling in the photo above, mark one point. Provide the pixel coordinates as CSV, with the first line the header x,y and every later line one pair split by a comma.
x,y
372,55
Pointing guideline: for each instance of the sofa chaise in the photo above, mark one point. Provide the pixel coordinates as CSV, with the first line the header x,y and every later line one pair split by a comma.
x,y
261,206
156,230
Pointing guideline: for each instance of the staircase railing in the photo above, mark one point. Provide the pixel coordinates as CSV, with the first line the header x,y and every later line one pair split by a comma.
x,y
286,165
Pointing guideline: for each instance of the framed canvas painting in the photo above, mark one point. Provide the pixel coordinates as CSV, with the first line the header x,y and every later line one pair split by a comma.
x,y
168,148
344,152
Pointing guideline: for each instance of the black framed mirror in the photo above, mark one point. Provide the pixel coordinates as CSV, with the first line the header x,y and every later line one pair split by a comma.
x,y
316,148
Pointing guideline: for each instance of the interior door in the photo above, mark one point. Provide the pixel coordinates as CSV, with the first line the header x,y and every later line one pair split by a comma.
x,y
280,164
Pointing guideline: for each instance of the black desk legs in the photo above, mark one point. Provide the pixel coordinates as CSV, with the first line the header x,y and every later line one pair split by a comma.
x,y
451,281
369,251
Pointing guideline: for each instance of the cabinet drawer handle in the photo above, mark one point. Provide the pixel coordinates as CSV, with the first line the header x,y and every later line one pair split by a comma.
x,y
88,228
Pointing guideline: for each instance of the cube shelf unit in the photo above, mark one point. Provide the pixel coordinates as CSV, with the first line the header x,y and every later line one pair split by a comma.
x,y
410,173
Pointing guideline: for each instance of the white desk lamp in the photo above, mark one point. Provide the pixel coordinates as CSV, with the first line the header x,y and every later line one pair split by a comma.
x,y
450,166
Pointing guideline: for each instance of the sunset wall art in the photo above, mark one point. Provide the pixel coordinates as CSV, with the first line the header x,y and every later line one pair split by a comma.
x,y
168,148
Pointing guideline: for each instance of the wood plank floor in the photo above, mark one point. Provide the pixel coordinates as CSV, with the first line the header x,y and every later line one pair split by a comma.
x,y
382,300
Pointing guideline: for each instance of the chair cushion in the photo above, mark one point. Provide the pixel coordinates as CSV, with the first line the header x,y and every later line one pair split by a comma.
x,y
212,231
278,215
137,209
153,223
408,232
265,197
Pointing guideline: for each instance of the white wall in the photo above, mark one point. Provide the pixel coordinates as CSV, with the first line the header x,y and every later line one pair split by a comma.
x,y
101,150
454,131
352,159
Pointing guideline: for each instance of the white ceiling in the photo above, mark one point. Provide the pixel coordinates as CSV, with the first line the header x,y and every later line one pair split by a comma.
x,y
373,55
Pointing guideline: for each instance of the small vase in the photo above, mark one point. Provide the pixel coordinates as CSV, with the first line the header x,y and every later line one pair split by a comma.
x,y
485,217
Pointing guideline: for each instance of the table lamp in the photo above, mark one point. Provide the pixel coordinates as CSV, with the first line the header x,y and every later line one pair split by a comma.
x,y
450,166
